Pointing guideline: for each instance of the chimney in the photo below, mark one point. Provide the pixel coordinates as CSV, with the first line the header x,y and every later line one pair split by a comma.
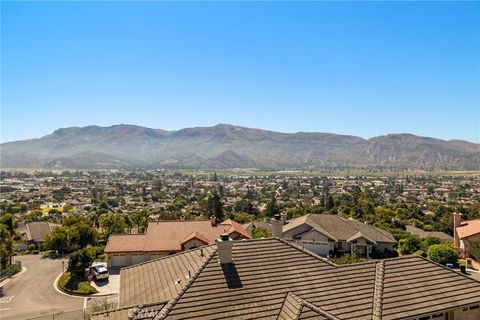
x,y
277,226
457,221
213,220
224,246
283,216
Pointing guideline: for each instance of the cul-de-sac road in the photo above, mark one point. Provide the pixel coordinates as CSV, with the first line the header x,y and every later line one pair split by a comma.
x,y
31,294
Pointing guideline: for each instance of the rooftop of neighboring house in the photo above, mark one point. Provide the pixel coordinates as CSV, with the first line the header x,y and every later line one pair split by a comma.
x,y
258,225
339,228
171,235
468,228
274,279
36,231
425,234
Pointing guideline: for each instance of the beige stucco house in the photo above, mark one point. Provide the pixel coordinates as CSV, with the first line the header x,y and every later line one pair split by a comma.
x,y
322,234
465,234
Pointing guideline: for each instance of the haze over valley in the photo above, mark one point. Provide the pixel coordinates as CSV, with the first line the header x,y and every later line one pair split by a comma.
x,y
227,146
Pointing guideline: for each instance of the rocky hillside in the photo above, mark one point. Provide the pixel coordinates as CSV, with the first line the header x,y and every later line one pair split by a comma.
x,y
227,146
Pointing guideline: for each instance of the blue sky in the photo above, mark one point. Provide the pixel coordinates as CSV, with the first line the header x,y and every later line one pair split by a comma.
x,y
364,69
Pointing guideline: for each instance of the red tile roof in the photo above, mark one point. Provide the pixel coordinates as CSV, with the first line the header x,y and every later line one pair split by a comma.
x,y
125,243
195,235
169,235
468,229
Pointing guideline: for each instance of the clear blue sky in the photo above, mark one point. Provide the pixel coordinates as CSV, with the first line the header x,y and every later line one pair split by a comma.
x,y
354,68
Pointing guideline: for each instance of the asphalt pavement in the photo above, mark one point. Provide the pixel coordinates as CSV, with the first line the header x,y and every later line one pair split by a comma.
x,y
31,294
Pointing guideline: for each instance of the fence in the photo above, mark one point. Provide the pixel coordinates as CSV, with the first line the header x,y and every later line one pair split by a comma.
x,y
79,314
9,271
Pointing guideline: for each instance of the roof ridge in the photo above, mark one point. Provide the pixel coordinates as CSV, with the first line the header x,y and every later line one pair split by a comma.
x,y
319,228
313,307
378,290
298,311
310,253
446,268
168,256
143,305
172,303
300,301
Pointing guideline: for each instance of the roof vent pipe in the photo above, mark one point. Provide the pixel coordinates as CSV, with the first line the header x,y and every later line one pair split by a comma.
x,y
283,216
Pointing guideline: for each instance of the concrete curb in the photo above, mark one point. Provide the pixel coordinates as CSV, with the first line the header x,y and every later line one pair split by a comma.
x,y
13,277
78,295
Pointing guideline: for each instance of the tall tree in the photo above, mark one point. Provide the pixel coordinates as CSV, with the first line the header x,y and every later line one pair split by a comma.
x,y
215,206
272,208
58,239
6,246
113,223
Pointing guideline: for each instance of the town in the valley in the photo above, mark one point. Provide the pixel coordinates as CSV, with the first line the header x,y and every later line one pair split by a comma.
x,y
239,244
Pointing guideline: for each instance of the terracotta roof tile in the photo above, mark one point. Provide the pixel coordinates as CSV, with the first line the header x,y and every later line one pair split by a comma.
x,y
125,243
195,235
169,235
468,229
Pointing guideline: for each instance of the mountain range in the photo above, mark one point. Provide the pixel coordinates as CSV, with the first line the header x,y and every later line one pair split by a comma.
x,y
226,146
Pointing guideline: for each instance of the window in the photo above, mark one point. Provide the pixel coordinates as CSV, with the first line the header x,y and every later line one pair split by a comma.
x,y
424,318
437,315
475,307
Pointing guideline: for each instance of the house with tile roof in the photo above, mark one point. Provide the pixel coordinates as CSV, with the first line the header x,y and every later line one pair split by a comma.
x,y
168,237
276,279
466,233
33,233
323,233
425,234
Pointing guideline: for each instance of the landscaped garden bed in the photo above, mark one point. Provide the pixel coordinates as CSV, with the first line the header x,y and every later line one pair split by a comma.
x,y
76,284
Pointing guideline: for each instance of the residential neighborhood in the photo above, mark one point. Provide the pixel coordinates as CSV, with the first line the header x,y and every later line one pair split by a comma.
x,y
239,160
168,237
114,244
252,279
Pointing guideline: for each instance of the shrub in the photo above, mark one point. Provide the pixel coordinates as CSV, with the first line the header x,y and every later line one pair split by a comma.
x,y
259,233
377,254
420,253
75,283
95,252
409,245
32,247
430,241
347,259
442,253
475,249
79,261
9,271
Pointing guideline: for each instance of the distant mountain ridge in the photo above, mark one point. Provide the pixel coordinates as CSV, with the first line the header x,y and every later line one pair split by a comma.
x,y
227,146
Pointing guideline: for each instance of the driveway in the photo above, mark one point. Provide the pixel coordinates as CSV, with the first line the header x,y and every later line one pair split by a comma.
x,y
110,286
31,294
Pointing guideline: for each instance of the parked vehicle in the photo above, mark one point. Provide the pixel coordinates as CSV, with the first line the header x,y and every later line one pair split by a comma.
x,y
99,272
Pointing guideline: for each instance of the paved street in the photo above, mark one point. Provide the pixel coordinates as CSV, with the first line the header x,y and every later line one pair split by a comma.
x,y
31,294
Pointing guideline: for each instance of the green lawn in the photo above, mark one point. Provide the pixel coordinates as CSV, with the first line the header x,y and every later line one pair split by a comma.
x,y
75,284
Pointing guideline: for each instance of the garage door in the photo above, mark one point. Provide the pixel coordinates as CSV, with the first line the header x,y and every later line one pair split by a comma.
x,y
138,258
119,260
320,248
